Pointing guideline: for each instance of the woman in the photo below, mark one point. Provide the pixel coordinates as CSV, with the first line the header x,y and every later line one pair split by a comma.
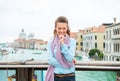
x,y
61,50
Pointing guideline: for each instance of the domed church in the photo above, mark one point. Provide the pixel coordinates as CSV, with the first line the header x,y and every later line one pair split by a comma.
x,y
28,41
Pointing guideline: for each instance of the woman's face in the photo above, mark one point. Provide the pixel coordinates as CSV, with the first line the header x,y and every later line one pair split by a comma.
x,y
61,28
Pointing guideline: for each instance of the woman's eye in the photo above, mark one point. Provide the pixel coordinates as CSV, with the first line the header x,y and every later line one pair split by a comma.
x,y
59,28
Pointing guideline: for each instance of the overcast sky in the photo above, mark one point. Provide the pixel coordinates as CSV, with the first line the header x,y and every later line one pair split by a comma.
x,y
38,16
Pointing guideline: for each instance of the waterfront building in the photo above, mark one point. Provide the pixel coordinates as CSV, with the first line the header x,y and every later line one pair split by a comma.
x,y
20,42
112,42
79,40
28,42
40,44
94,37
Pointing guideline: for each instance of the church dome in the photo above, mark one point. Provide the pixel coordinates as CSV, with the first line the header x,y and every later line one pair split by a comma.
x,y
22,34
31,35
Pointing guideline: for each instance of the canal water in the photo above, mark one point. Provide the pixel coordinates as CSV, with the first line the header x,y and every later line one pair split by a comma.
x,y
42,55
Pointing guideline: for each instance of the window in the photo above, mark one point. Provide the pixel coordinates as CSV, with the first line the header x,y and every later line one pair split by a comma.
x,y
81,49
91,37
104,36
103,45
81,36
77,43
110,34
95,37
95,45
81,43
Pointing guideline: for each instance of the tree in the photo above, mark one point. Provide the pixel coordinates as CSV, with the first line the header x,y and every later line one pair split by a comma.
x,y
96,54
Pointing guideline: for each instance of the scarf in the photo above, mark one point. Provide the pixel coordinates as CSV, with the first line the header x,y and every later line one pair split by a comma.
x,y
59,56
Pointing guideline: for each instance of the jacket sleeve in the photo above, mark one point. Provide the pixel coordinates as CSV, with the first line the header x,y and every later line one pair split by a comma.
x,y
69,51
51,59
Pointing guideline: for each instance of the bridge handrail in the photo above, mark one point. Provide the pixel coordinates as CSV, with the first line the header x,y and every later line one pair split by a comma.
x,y
80,65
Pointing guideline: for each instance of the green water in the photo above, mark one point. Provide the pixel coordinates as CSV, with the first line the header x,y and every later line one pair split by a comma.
x,y
95,76
80,75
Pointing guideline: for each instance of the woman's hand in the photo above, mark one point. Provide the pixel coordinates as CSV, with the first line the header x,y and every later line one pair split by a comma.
x,y
74,61
61,38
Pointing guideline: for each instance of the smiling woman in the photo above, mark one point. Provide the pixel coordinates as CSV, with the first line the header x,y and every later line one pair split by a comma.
x,y
61,50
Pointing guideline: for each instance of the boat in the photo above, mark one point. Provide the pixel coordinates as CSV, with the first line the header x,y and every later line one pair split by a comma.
x,y
4,52
37,53
10,78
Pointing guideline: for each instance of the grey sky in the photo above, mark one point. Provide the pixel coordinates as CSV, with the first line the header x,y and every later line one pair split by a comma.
x,y
38,16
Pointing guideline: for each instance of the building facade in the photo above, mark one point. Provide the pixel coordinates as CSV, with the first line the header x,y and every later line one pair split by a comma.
x,y
112,42
94,37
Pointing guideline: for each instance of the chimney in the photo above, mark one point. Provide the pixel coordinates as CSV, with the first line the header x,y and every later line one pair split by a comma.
x,y
115,20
